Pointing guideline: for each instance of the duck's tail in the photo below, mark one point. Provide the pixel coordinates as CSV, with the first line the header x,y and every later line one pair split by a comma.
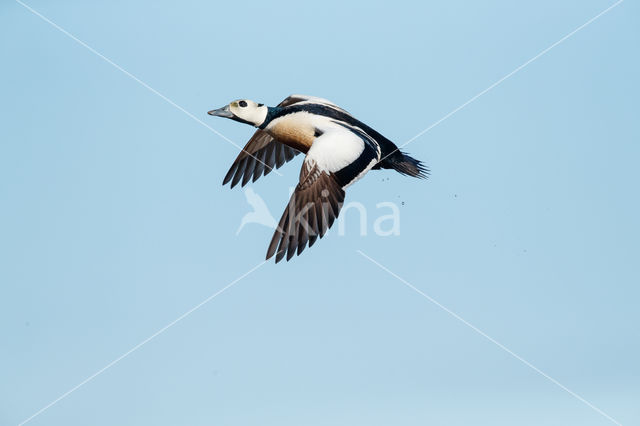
x,y
404,164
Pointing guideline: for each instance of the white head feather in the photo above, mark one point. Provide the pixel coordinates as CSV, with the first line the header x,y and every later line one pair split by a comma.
x,y
249,111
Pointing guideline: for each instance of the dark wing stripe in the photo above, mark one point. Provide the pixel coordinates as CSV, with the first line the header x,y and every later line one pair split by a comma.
x,y
313,223
303,231
279,155
312,209
230,173
281,249
259,168
292,99
305,227
256,159
289,153
270,156
248,169
239,173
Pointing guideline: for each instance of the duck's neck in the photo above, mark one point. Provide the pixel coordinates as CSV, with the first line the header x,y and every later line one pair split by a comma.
x,y
272,112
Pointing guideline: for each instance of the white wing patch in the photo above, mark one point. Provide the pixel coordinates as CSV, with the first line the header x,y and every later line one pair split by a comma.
x,y
335,149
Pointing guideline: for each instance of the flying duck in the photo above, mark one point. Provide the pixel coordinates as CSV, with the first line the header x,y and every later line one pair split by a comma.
x,y
339,151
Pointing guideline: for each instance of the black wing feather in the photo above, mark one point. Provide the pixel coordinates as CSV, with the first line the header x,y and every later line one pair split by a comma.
x,y
312,209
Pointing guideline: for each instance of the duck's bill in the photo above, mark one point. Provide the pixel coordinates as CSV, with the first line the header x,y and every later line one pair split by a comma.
x,y
221,112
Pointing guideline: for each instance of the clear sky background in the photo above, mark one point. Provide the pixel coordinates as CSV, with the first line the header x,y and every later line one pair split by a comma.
x,y
113,220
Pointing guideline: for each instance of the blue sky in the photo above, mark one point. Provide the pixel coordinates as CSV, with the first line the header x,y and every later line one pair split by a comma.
x,y
114,222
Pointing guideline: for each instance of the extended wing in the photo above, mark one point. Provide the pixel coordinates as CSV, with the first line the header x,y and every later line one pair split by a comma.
x,y
337,158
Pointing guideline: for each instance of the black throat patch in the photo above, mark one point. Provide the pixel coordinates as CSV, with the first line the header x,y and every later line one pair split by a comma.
x,y
272,112
240,120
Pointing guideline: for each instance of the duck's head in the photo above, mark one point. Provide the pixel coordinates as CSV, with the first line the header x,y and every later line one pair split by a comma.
x,y
244,111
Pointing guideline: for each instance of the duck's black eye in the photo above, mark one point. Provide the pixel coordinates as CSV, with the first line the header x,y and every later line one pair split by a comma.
x,y
242,104
260,105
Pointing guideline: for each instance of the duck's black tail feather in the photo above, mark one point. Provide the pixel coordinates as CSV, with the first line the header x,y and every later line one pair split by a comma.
x,y
404,164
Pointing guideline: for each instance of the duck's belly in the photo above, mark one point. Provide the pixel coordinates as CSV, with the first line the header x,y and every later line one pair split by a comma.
x,y
295,130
